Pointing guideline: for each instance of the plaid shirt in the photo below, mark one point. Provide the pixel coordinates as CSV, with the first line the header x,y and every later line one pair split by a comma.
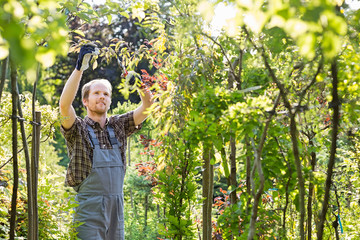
x,y
79,146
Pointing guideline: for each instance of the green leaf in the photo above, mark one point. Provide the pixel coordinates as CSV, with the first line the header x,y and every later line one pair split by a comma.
x,y
79,32
71,6
250,89
256,20
138,12
331,44
335,23
307,43
296,27
296,202
84,17
86,5
109,18
125,14
206,9
4,52
46,57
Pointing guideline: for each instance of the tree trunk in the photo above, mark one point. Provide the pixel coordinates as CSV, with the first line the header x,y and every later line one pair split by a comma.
x,y
337,221
232,178
28,172
257,166
3,75
208,173
164,212
184,174
35,150
132,201
211,191
293,130
295,147
335,122
286,204
257,195
286,187
14,150
311,192
233,182
158,211
248,173
133,205
239,78
146,211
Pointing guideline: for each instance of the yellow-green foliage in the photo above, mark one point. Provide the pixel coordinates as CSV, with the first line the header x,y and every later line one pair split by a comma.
x,y
54,200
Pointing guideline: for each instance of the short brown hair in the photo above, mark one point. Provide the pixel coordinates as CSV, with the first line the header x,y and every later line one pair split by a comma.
x,y
86,88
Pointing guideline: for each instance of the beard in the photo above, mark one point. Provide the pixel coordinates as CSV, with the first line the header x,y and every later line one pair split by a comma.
x,y
98,108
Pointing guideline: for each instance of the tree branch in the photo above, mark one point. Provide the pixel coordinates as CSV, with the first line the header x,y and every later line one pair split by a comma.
x,y
293,133
15,99
331,163
210,76
257,165
3,75
287,185
303,92
223,51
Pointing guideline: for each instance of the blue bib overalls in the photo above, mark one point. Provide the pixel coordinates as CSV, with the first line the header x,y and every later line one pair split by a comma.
x,y
100,195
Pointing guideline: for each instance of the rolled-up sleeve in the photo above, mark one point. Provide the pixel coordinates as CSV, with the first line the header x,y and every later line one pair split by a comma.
x,y
70,134
127,119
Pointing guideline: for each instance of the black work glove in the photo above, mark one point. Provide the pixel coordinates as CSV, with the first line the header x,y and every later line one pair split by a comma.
x,y
87,51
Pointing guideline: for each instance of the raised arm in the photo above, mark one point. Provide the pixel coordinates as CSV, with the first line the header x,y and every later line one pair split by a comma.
x,y
71,87
140,113
67,97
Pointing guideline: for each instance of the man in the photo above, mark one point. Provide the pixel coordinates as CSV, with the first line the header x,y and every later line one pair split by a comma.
x,y
96,147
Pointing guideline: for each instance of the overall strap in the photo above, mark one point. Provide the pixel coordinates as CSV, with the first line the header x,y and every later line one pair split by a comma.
x,y
93,139
113,139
